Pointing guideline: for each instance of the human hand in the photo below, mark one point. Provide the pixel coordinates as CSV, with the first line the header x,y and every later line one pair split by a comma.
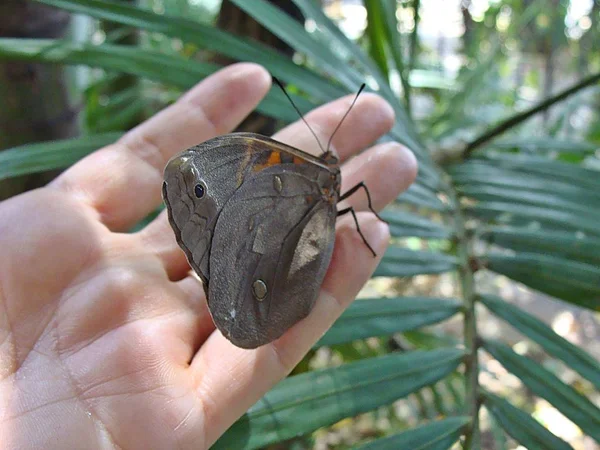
x,y
105,337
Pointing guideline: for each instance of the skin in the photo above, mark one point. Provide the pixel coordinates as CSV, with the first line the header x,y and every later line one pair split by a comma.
x,y
105,337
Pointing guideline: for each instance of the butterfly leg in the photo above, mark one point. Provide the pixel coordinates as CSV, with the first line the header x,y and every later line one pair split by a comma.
x,y
356,188
351,211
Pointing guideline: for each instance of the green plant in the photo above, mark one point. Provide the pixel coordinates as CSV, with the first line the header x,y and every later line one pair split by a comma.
x,y
486,204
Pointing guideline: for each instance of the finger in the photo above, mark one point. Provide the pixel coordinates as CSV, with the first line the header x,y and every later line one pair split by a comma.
x,y
231,379
122,182
386,169
193,295
370,118
158,239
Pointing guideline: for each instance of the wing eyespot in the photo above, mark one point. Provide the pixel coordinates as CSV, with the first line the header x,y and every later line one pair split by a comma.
x,y
278,184
200,190
259,290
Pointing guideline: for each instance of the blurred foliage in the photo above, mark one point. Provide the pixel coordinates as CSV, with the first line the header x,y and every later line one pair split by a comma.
x,y
499,101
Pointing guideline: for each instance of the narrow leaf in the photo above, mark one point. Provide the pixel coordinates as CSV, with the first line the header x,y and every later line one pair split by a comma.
x,y
439,435
543,165
376,34
33,158
536,330
121,58
184,73
548,386
418,196
485,176
521,215
405,224
557,200
521,426
382,316
568,280
303,403
294,34
554,243
401,262
207,37
393,37
314,10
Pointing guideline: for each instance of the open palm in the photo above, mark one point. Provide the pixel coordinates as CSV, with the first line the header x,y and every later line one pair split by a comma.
x,y
105,337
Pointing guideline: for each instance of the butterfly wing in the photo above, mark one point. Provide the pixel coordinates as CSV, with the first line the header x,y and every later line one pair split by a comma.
x,y
272,245
219,166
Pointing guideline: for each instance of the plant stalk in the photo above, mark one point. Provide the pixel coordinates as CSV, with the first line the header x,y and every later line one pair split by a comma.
x,y
540,107
471,340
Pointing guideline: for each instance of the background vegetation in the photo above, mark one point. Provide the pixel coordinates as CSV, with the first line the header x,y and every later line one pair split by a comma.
x,y
480,326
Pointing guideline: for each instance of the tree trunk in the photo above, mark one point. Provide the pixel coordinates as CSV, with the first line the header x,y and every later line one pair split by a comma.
x,y
36,103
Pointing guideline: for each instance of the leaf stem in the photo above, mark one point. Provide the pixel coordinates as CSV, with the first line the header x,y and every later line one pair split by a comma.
x,y
471,340
521,117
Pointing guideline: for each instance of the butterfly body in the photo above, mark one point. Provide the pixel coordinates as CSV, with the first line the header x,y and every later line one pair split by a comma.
x,y
256,220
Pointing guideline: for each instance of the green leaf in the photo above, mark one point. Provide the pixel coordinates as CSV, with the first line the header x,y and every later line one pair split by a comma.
x,y
313,10
548,386
498,435
393,38
382,316
404,126
376,32
480,176
520,215
122,58
536,330
521,426
237,48
565,245
115,118
419,196
556,200
295,35
33,158
401,262
568,280
183,73
405,224
207,37
544,166
429,340
303,403
439,435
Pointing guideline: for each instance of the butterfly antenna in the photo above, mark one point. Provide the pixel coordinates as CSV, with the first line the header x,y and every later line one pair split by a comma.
x,y
345,115
299,113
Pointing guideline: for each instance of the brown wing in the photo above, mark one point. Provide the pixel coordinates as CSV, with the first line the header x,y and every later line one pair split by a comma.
x,y
220,165
272,246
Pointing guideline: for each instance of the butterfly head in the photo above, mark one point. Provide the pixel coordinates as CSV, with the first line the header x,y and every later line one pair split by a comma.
x,y
191,205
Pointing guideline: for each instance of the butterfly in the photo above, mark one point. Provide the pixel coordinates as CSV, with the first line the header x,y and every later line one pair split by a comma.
x,y
256,220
